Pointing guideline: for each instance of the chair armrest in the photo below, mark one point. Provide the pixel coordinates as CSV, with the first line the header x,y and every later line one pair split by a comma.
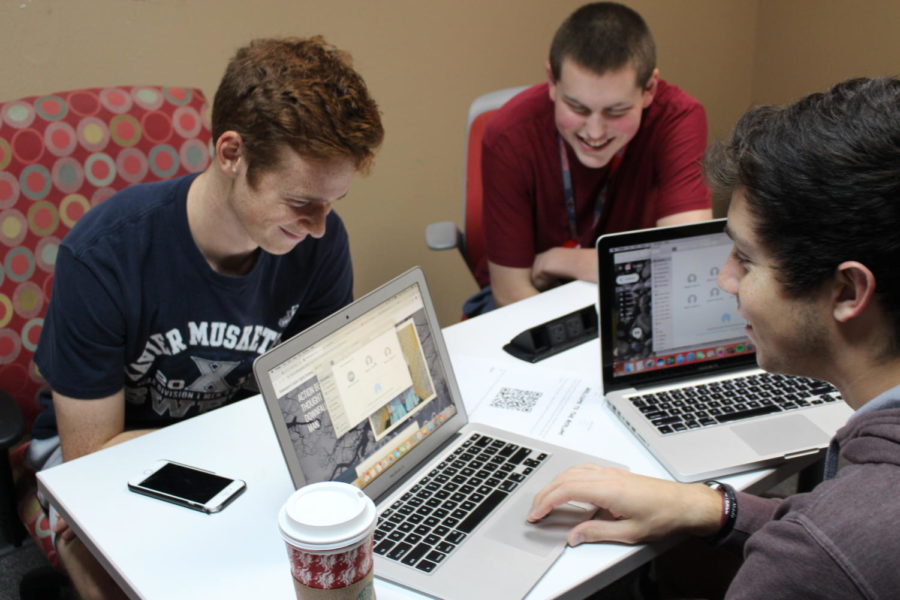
x,y
12,422
443,236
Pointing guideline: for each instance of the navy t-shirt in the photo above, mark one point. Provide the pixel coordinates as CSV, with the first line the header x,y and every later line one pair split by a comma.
x,y
135,305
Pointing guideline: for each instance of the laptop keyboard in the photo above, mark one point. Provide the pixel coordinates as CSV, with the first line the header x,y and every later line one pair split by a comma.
x,y
436,515
731,400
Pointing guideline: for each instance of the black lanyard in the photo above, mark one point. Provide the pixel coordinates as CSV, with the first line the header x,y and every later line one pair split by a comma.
x,y
569,192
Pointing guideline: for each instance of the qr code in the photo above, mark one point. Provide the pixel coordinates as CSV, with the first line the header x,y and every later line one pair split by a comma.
x,y
513,399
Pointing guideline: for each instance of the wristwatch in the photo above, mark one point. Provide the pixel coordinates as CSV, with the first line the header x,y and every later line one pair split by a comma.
x,y
729,510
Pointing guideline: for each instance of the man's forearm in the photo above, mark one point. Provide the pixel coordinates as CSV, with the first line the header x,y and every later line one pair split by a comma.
x,y
510,284
565,264
126,435
87,425
503,296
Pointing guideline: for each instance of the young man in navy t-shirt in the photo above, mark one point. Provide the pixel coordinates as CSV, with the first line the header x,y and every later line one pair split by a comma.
x,y
165,293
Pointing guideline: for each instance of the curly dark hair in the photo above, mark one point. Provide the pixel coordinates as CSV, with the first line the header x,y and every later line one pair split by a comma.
x,y
822,181
299,93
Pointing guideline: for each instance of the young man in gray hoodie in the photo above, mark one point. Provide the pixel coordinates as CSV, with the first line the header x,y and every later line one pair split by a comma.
x,y
814,217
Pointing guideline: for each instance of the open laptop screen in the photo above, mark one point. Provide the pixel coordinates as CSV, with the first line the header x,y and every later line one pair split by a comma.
x,y
356,401
663,310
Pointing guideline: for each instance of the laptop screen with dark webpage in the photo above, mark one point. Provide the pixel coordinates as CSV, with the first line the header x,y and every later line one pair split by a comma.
x,y
662,313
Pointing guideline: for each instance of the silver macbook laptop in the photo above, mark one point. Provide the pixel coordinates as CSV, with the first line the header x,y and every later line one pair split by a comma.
x,y
367,396
678,369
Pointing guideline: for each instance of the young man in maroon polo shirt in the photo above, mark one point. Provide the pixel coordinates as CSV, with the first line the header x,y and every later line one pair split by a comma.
x,y
605,145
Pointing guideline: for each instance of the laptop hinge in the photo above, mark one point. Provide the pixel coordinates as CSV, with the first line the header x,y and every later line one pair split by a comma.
x,y
694,377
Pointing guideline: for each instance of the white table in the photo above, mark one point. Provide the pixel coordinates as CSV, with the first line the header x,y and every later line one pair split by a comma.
x,y
162,552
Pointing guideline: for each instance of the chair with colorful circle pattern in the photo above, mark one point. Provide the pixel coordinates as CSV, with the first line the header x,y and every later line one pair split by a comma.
x,y
60,155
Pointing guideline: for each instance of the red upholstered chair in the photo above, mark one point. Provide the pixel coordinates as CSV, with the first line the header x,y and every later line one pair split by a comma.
x,y
61,154
470,239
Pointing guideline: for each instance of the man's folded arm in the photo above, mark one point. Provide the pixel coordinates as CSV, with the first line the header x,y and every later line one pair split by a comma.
x,y
86,426
511,284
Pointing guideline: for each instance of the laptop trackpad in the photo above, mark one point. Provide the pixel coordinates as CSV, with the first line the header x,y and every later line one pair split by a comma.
x,y
541,538
790,433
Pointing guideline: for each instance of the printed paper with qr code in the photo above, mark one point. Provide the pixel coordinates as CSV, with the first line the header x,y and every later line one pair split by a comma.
x,y
545,405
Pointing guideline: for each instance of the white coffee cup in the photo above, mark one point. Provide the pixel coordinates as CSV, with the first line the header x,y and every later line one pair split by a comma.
x,y
328,530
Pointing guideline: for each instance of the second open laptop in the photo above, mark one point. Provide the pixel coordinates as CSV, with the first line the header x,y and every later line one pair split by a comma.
x,y
367,396
678,369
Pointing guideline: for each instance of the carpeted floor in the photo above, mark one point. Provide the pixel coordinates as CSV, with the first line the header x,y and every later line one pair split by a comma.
x,y
15,562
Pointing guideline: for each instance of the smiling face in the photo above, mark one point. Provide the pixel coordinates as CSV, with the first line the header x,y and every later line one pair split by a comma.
x,y
597,115
790,333
289,202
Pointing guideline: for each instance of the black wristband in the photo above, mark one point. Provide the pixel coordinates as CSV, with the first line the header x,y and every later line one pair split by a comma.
x,y
729,510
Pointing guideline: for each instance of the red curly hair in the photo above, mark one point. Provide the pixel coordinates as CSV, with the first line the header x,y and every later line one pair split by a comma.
x,y
302,93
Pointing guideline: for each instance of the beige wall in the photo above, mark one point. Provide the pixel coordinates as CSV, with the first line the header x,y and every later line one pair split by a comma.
x,y
425,60
804,46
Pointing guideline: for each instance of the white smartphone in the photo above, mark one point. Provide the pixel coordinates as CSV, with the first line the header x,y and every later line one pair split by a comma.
x,y
187,486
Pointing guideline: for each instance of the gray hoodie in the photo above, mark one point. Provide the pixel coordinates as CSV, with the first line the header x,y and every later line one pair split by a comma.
x,y
842,540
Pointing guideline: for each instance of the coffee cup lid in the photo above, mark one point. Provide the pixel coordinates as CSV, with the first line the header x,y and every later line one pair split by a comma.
x,y
326,516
